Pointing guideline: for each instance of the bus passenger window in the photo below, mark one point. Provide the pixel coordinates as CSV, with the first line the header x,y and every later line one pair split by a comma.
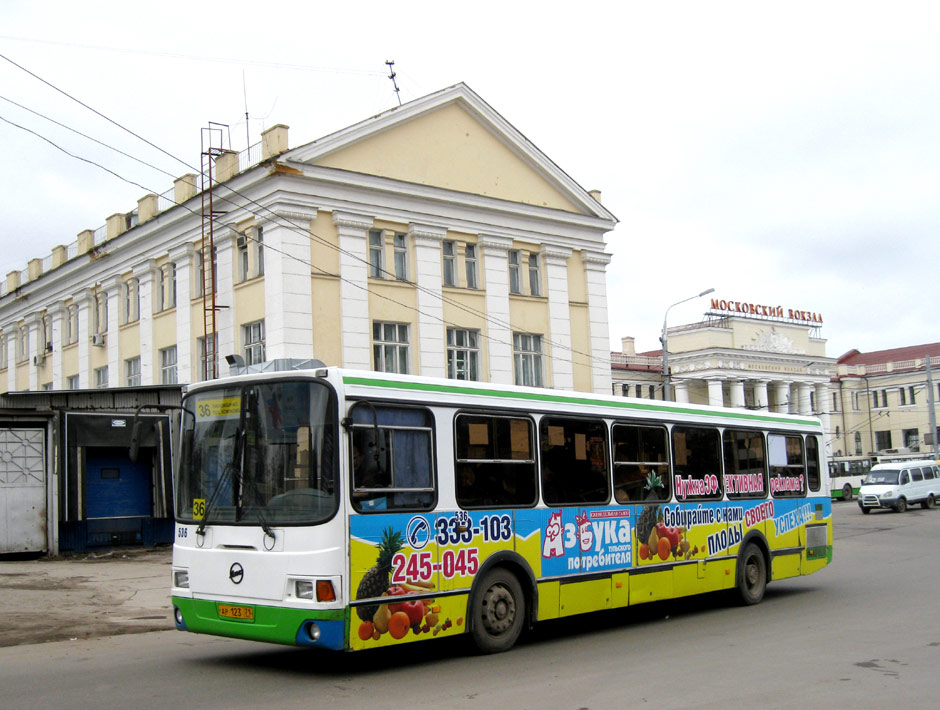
x,y
392,458
696,462
494,461
745,464
641,467
787,471
574,461
812,463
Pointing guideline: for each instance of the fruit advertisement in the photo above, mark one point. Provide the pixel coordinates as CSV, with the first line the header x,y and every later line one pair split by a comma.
x,y
414,571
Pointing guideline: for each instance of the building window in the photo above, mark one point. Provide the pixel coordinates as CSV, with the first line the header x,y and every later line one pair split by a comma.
x,y
253,337
450,257
835,401
882,440
3,352
376,247
46,387
535,282
132,372
101,377
527,357
166,287
259,251
911,438
515,280
22,344
463,354
812,401
470,262
168,366
72,382
858,443
208,359
911,399
879,399
241,249
101,314
390,347
130,295
401,257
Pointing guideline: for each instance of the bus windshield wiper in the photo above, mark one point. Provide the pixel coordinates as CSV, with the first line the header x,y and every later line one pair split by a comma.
x,y
227,473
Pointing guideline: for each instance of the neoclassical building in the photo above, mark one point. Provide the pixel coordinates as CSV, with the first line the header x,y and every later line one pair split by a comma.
x,y
432,239
756,357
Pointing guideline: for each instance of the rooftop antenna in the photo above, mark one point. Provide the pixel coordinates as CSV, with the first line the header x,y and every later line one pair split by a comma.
x,y
245,93
392,75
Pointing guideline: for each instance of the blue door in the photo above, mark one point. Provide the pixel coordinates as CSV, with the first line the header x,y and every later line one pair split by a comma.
x,y
115,486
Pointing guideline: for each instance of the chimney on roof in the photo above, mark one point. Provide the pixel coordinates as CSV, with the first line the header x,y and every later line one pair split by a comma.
x,y
34,269
596,194
184,188
628,345
226,165
146,208
86,241
60,255
273,141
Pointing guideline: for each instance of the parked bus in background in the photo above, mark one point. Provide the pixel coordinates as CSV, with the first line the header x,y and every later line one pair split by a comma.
x,y
353,510
846,474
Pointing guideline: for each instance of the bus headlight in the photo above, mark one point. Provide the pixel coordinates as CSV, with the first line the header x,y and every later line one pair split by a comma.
x,y
181,578
303,589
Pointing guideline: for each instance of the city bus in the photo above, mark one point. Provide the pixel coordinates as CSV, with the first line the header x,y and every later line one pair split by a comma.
x,y
846,474
353,510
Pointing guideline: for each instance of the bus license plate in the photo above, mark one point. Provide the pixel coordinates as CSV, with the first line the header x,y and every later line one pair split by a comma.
x,y
244,613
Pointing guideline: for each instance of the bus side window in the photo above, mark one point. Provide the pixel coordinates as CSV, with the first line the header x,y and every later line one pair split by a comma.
x,y
812,463
494,461
696,463
574,461
787,469
641,465
745,464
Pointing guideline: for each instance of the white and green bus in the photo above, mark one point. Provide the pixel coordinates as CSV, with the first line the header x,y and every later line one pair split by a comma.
x,y
352,510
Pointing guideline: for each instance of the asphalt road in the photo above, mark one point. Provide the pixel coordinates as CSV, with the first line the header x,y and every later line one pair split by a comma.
x,y
862,633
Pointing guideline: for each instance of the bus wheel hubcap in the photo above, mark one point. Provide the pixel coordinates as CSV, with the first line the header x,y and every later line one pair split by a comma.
x,y
499,609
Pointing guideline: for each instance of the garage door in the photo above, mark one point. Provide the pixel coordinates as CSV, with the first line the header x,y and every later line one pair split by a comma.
x,y
22,490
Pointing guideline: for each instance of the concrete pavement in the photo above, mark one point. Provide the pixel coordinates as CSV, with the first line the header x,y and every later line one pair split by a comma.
x,y
74,598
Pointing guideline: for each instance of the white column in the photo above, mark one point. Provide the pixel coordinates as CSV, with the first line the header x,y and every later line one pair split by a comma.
x,y
113,294
226,320
760,394
822,411
499,334
12,335
559,316
33,325
288,289
737,393
595,277
146,274
84,300
57,313
715,396
430,338
805,404
182,256
782,390
681,390
355,325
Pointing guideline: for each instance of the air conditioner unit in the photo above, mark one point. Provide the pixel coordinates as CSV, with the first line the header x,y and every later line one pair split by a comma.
x,y
39,360
241,242
97,339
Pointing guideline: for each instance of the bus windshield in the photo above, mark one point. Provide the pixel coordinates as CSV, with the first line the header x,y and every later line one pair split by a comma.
x,y
883,477
259,454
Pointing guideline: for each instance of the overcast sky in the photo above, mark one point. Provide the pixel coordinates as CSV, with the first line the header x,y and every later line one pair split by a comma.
x,y
781,154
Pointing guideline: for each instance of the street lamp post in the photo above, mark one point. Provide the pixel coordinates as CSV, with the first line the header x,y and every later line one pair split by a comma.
x,y
667,393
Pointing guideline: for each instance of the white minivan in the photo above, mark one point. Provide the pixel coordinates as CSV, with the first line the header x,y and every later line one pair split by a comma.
x,y
897,485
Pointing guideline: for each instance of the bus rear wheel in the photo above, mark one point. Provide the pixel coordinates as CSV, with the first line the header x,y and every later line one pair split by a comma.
x,y
498,612
752,575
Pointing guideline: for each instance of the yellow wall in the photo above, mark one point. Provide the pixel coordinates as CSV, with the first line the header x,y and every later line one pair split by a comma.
x,y
327,343
577,285
426,149
323,256
249,301
164,331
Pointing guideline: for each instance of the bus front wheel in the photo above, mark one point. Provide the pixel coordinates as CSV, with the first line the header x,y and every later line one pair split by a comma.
x,y
498,612
752,575
846,492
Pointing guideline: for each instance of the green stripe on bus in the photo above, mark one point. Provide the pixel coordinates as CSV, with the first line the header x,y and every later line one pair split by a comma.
x,y
567,399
